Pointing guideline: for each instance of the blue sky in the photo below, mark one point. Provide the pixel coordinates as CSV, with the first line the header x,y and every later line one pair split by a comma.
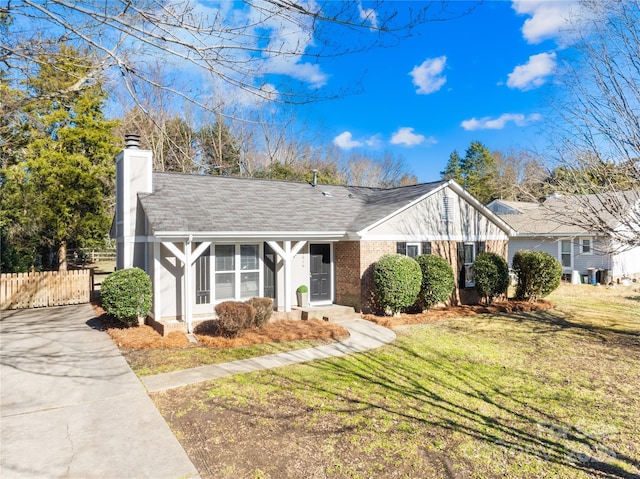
x,y
486,76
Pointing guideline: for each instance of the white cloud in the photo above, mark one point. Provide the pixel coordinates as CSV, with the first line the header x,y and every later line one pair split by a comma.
x,y
488,123
406,136
345,141
428,76
368,15
374,141
552,19
534,73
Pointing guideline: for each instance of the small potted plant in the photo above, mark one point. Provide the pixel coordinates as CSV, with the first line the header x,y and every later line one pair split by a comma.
x,y
302,294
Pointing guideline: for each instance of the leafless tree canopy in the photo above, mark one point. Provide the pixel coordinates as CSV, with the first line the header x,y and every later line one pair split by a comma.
x,y
263,48
597,134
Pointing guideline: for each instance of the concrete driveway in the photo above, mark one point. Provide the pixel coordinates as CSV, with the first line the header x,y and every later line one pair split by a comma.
x,y
71,407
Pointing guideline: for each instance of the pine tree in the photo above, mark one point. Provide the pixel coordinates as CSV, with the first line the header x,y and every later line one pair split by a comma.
x,y
476,172
60,189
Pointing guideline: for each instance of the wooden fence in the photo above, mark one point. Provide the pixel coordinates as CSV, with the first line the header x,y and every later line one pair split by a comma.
x,y
47,288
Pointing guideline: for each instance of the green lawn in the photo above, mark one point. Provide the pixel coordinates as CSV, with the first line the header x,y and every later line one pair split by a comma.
x,y
547,394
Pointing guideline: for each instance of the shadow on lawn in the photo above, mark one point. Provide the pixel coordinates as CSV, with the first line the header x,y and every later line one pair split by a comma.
x,y
445,390
552,321
518,427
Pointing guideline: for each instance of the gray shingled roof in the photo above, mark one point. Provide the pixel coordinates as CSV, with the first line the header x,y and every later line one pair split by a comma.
x,y
568,215
196,203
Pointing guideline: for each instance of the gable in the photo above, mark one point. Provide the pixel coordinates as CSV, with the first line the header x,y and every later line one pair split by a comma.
x,y
443,215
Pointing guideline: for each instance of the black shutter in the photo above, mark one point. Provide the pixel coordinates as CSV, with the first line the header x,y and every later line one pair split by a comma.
x,y
461,264
480,247
401,247
426,247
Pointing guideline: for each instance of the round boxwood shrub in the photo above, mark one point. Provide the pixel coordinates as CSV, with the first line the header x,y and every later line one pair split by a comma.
x,y
126,295
537,274
492,276
438,280
396,280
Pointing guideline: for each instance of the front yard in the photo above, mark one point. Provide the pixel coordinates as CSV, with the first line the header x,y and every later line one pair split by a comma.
x,y
552,393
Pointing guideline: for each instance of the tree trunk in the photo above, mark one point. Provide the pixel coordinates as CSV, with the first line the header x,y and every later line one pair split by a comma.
x,y
62,256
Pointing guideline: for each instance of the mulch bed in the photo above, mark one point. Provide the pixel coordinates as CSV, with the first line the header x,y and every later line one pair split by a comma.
x,y
145,337
450,312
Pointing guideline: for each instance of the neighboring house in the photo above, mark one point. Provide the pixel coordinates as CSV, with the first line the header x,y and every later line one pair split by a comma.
x,y
206,239
554,227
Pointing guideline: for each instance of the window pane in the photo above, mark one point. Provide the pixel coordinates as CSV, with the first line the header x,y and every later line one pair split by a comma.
x,y
225,257
566,246
248,256
468,253
249,285
586,246
225,286
412,250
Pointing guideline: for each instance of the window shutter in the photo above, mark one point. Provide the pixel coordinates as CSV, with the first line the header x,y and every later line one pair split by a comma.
x,y
460,264
401,247
480,247
426,247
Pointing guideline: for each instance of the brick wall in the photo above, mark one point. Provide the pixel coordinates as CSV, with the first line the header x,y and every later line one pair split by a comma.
x,y
347,267
370,253
354,262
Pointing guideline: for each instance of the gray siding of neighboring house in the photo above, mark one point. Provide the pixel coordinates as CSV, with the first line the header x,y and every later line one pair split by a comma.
x,y
551,245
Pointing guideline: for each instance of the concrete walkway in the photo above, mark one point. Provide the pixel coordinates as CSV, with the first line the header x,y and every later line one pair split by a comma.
x,y
72,408
364,335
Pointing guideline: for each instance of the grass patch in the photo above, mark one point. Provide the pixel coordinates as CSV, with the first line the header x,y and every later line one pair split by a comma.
x,y
551,393
148,362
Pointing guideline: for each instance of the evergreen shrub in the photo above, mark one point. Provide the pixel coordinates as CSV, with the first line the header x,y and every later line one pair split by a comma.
x,y
438,280
537,274
397,280
126,295
492,276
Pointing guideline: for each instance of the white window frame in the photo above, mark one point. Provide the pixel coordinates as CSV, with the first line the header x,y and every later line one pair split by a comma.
x,y
560,253
582,251
237,272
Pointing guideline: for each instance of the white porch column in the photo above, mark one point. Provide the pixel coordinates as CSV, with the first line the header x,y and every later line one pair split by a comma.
x,y
157,281
287,253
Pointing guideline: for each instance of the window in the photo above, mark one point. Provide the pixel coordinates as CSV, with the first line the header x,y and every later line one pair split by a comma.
x,y
586,246
203,278
237,271
466,257
413,249
565,253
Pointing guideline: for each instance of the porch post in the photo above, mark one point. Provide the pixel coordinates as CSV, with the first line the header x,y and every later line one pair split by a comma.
x,y
187,284
157,282
287,253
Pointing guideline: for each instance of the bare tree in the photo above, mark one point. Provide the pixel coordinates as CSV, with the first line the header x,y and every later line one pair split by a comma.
x,y
224,44
597,134
383,171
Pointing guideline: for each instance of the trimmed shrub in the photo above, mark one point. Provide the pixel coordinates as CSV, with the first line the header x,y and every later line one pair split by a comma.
x,y
492,276
234,317
438,280
537,274
126,295
396,281
264,309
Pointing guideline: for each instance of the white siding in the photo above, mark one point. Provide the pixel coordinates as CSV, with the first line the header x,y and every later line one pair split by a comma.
x,y
425,221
